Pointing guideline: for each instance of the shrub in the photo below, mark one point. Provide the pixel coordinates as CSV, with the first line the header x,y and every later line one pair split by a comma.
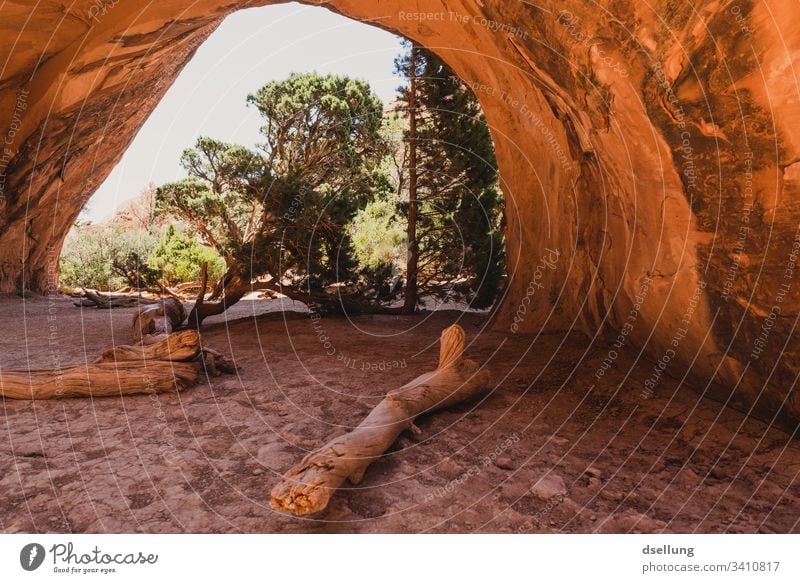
x,y
178,258
106,257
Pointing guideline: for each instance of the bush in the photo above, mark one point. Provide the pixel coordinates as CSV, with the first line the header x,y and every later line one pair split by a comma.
x,y
378,237
105,257
178,258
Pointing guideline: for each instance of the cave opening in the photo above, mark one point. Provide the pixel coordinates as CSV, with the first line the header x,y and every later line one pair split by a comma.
x,y
157,238
643,358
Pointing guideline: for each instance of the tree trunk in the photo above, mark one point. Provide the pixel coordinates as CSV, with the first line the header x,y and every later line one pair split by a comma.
x,y
411,292
233,288
230,273
307,487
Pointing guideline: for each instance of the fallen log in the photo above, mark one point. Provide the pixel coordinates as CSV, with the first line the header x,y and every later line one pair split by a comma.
x,y
99,380
179,346
93,299
165,367
307,487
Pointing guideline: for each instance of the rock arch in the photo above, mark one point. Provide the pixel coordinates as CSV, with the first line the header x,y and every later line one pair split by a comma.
x,y
650,172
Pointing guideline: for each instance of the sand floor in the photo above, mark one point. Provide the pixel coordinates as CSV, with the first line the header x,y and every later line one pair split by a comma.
x,y
542,452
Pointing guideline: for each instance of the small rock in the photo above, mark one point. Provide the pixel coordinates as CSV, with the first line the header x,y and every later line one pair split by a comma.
x,y
594,483
633,522
449,469
513,490
548,487
612,496
258,472
504,463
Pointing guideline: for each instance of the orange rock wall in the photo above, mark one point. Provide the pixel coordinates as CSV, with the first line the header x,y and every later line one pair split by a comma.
x,y
646,150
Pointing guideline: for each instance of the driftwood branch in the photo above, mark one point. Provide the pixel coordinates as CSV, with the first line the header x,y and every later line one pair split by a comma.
x,y
167,366
93,299
307,487
155,322
180,346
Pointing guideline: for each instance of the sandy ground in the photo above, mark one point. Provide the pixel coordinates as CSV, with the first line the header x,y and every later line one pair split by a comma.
x,y
540,453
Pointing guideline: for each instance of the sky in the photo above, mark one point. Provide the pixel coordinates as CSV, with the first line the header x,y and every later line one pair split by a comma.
x,y
250,48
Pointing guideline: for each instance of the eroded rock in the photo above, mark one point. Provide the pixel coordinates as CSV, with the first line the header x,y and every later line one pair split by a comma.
x,y
648,155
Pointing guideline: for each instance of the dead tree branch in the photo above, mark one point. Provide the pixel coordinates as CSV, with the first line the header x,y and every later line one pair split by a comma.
x,y
307,487
167,366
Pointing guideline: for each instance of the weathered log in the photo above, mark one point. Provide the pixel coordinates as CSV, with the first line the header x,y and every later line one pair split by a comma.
x,y
99,380
156,322
182,346
179,346
307,487
93,299
167,366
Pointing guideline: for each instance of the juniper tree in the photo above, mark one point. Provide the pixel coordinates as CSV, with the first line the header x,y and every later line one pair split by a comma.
x,y
282,209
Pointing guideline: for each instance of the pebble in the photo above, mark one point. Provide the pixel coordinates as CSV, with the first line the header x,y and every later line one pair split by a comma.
x,y
449,469
505,463
513,490
258,472
548,487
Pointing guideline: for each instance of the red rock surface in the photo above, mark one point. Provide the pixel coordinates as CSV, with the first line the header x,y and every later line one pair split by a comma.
x,y
651,147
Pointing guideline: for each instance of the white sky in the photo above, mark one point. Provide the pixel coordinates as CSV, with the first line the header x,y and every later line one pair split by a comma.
x,y
250,48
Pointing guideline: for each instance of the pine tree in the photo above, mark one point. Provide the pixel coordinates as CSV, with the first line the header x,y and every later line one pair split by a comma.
x,y
454,208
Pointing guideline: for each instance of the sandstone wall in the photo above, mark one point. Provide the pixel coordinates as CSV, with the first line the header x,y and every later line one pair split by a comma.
x,y
646,151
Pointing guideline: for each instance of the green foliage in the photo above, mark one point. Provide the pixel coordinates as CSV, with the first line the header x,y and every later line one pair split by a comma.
x,y
378,237
109,257
179,258
317,203
320,130
283,209
460,206
106,257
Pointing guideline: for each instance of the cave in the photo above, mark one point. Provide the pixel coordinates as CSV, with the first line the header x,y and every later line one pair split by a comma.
x,y
646,156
